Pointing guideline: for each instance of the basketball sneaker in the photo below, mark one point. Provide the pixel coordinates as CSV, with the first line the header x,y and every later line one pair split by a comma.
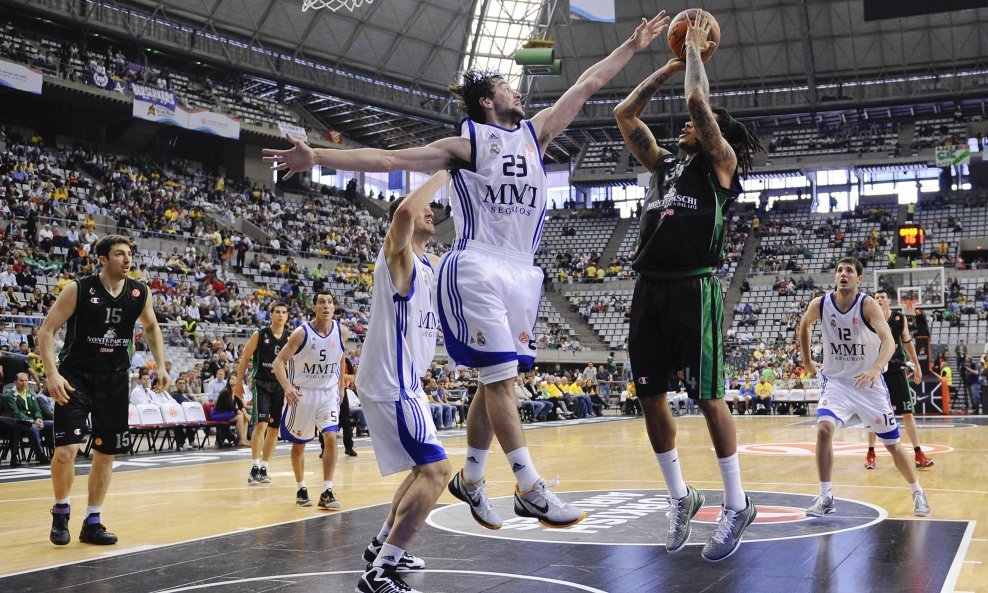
x,y
95,533
921,508
263,476
255,475
406,563
328,501
822,505
475,496
727,537
302,498
870,460
682,511
922,460
540,503
60,535
383,579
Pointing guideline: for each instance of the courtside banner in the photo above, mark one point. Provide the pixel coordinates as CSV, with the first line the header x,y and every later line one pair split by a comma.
x,y
154,104
213,123
294,131
20,77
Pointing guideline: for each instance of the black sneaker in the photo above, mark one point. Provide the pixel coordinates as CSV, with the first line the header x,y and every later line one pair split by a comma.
x,y
95,533
383,579
59,535
406,563
302,498
328,501
350,452
255,475
264,478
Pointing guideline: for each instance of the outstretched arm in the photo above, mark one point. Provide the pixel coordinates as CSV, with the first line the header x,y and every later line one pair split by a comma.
x,y
698,98
397,243
447,153
628,113
551,122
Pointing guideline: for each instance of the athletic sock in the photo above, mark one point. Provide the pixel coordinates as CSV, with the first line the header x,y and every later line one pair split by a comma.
x,y
382,536
92,515
255,463
871,449
730,472
523,468
827,489
672,472
61,508
389,555
300,484
915,487
64,501
327,485
473,467
264,463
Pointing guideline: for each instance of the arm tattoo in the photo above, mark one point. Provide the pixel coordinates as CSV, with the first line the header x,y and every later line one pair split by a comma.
x,y
639,138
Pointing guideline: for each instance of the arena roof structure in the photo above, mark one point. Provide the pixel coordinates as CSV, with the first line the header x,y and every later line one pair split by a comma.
x,y
379,73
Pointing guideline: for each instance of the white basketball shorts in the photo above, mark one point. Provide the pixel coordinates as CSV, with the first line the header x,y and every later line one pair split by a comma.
x,y
840,399
316,412
488,303
402,431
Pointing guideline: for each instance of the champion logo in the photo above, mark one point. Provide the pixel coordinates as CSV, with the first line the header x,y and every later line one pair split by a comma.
x,y
517,467
643,380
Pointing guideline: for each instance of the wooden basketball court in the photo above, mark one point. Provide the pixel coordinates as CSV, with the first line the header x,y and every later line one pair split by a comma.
x,y
189,521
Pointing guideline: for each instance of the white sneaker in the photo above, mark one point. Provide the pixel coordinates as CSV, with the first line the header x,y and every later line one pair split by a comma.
x,y
822,505
921,508
540,503
475,496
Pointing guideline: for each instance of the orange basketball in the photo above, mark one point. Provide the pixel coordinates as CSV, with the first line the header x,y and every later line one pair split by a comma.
x,y
677,34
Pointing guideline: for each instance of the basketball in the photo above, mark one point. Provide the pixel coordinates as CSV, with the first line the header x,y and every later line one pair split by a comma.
x,y
677,34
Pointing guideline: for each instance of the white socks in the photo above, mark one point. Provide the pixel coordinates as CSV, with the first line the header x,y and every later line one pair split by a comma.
x,y
827,489
382,536
672,472
523,468
473,467
730,472
389,555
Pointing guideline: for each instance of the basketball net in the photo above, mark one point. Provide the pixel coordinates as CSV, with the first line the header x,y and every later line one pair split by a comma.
x,y
908,306
333,5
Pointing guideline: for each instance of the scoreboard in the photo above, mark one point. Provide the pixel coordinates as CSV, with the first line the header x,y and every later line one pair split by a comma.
x,y
911,240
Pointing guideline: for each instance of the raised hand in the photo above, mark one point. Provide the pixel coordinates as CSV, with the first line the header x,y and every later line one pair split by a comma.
x,y
698,29
297,159
647,31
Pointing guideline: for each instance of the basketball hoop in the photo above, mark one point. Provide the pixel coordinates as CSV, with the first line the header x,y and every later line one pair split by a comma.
x,y
333,5
908,307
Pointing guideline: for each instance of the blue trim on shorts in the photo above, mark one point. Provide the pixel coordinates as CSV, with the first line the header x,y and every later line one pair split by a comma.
x,y
825,412
333,428
892,434
420,452
290,437
525,363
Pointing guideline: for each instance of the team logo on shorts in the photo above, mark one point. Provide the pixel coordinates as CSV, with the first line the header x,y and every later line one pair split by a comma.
x,y
495,149
135,293
98,442
523,337
481,339
643,380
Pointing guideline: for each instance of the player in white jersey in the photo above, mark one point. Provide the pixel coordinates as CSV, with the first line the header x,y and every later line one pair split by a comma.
x,y
489,289
857,345
310,370
397,352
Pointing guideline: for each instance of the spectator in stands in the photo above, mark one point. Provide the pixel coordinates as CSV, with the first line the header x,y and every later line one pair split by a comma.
x,y
629,400
538,409
20,400
217,384
142,393
231,410
763,393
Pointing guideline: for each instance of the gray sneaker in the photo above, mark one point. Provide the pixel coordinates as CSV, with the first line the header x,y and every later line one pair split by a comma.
x,y
921,508
682,511
474,495
540,503
822,505
727,537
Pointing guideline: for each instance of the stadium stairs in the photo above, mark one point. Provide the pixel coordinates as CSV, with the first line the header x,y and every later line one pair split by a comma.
x,y
614,243
734,296
586,334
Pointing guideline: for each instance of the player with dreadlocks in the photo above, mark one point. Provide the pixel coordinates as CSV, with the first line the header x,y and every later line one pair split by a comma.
x,y
676,310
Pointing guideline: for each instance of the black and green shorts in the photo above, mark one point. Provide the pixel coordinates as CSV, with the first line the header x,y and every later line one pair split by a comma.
x,y
676,330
